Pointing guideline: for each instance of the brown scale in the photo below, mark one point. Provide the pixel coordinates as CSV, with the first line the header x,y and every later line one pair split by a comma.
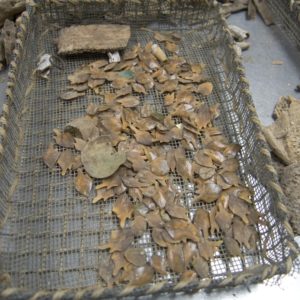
x,y
83,183
120,240
159,264
136,256
123,208
51,156
138,225
201,266
201,221
175,257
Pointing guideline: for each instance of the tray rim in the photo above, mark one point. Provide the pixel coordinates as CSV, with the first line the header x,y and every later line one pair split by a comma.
x,y
255,274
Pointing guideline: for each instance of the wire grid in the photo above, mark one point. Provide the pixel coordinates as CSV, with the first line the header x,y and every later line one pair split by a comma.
x,y
287,15
51,237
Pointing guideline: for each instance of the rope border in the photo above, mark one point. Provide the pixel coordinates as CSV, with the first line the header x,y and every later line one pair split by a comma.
x,y
253,275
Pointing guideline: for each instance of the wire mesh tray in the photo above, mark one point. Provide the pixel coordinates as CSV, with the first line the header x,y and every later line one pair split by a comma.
x,y
287,15
50,235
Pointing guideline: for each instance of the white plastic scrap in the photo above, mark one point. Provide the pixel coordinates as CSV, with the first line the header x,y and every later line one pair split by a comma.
x,y
44,65
114,57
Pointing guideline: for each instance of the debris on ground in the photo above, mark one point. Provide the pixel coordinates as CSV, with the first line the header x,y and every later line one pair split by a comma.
x,y
277,62
251,6
9,11
240,36
283,139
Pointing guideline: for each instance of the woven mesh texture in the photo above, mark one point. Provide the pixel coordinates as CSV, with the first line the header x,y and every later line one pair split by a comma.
x,y
287,15
51,235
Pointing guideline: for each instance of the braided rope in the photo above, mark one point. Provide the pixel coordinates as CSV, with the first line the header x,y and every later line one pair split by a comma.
x,y
265,271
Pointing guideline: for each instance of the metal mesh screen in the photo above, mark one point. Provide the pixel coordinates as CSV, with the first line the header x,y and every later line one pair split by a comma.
x,y
287,15
51,236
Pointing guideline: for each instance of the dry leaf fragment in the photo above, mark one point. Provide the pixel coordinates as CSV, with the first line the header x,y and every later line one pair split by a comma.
x,y
159,264
175,258
51,156
123,208
71,95
83,183
65,161
136,256
100,159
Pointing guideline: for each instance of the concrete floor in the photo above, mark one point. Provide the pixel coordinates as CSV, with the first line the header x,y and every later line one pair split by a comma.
x,y
267,83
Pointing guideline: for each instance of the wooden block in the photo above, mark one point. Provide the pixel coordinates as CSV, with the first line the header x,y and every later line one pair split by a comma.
x,y
264,11
93,38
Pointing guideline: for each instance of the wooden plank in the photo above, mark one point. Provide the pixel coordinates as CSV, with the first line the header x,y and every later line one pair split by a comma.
x,y
264,11
93,38
229,8
251,13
